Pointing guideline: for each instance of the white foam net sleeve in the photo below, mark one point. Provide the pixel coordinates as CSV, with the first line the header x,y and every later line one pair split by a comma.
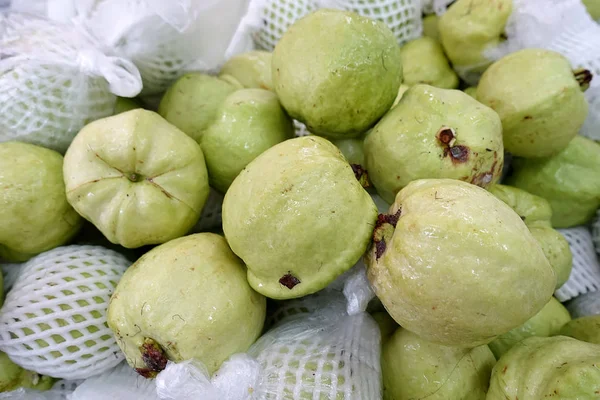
x,y
267,20
121,382
165,39
584,305
596,232
585,276
54,80
211,216
53,321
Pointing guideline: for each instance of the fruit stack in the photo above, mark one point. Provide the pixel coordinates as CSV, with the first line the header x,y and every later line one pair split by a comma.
x,y
405,246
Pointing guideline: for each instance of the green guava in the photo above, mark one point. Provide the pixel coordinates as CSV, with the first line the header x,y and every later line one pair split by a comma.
x,y
248,122
35,215
539,99
470,27
403,88
547,322
593,7
387,325
434,133
536,213
137,178
569,181
125,104
251,69
184,299
352,149
414,368
298,217
556,367
423,61
13,377
455,265
471,91
586,329
192,102
337,72
430,26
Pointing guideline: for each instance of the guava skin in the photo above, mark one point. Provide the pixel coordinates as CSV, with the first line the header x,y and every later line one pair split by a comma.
x,y
13,377
251,69
248,122
471,91
403,88
124,104
352,149
547,322
137,178
192,102
423,61
537,214
455,265
586,329
34,213
470,27
184,299
569,181
539,100
343,94
547,367
295,197
593,8
430,27
434,133
414,368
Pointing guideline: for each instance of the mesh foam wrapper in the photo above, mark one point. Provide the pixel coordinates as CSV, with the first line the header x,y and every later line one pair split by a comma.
x,y
323,354
211,216
585,276
267,20
53,321
54,80
584,305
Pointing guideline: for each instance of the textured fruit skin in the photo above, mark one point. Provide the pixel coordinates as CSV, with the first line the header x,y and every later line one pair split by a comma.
x,y
352,149
569,181
469,27
414,368
13,377
405,145
401,90
191,297
586,329
471,91
251,69
536,213
248,122
430,27
337,72
124,104
547,322
137,178
34,213
192,102
593,8
298,217
545,368
423,61
461,267
538,99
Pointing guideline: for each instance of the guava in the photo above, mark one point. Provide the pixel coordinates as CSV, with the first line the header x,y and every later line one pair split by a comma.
x,y
403,88
455,265
539,99
192,102
137,178
593,8
569,181
414,368
423,61
470,27
337,72
547,367
387,325
585,328
251,69
434,133
536,213
547,322
298,217
471,91
430,26
185,299
352,149
125,104
34,213
248,122
13,377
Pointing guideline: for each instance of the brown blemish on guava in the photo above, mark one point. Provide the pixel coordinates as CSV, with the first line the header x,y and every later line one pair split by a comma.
x,y
289,281
361,175
484,178
154,357
459,154
382,229
527,117
583,77
504,369
446,135
447,138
